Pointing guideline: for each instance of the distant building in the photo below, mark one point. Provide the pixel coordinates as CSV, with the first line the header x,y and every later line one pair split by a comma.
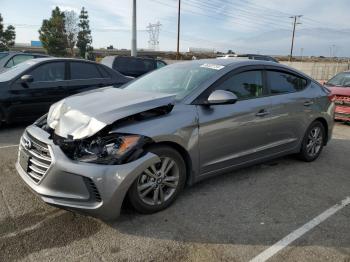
x,y
35,43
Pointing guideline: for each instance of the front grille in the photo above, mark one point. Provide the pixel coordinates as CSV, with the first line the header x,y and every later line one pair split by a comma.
x,y
37,157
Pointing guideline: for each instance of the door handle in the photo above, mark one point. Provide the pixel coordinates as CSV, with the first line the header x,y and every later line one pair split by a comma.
x,y
308,103
262,112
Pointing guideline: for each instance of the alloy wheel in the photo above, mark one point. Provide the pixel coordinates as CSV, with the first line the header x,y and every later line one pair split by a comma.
x,y
314,141
158,182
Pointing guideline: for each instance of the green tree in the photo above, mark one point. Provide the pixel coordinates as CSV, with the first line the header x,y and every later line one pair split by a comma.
x,y
53,34
7,37
84,35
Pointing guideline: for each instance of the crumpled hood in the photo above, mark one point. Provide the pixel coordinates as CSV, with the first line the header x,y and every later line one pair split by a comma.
x,y
83,115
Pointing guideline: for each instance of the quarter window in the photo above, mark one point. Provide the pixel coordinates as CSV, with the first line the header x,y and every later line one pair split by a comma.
x,y
49,72
80,70
281,82
244,85
104,72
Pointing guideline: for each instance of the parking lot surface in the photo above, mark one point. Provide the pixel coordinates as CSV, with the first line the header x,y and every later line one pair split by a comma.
x,y
233,217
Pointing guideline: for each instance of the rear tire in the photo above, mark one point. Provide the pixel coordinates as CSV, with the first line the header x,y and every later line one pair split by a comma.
x,y
313,142
159,185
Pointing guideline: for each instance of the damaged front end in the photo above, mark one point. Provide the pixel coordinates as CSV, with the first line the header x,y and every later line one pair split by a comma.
x,y
107,147
82,126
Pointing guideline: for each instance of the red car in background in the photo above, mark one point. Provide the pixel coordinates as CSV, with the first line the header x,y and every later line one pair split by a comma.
x,y
339,85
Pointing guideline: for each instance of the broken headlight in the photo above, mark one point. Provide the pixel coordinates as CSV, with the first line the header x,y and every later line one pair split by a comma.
x,y
111,150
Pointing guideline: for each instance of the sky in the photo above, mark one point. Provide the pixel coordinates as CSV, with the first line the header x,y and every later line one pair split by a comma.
x,y
243,26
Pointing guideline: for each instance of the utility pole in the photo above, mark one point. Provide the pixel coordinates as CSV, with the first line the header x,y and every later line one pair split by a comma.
x,y
295,17
133,29
178,31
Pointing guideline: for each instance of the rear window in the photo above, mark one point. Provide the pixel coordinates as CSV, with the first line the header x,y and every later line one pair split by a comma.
x,y
133,67
341,79
104,72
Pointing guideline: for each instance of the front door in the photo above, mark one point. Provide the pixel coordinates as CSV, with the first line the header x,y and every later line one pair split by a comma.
x,y
234,134
31,100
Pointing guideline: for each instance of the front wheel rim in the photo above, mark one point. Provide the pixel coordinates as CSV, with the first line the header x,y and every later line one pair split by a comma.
x,y
314,141
158,183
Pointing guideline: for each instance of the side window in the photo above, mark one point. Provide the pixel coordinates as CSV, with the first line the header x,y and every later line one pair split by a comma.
x,y
17,59
281,82
79,70
49,72
160,64
244,85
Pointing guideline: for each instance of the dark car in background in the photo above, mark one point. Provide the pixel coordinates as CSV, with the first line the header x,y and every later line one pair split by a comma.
x,y
340,88
10,59
28,89
132,66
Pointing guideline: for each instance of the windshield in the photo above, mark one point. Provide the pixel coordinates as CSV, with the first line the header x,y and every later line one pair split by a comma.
x,y
178,79
16,70
342,79
2,55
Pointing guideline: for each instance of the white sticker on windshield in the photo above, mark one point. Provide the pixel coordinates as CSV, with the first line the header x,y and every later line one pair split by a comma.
x,y
213,66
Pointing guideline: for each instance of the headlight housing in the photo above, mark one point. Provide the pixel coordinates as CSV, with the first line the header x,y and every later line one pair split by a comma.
x,y
112,149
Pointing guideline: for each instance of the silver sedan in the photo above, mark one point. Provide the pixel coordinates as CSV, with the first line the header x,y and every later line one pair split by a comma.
x,y
168,129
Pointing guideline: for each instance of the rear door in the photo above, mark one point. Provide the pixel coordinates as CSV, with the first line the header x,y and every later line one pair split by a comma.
x,y
234,134
31,100
291,107
84,76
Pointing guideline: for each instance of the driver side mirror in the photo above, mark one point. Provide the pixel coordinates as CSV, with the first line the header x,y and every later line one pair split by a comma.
x,y
221,97
25,79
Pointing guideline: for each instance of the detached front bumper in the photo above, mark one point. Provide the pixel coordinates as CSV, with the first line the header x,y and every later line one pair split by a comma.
x,y
97,190
342,113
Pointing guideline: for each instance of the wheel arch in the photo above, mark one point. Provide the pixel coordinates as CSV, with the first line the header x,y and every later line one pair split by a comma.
x,y
325,125
183,152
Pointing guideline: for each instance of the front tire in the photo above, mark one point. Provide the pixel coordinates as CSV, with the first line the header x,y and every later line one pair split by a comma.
x,y
313,142
158,186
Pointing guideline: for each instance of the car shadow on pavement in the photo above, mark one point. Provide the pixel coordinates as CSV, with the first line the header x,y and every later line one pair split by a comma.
x,y
10,133
258,205
33,232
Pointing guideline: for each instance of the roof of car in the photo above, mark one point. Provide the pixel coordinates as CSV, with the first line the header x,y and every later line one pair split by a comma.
x,y
25,53
229,62
43,59
233,63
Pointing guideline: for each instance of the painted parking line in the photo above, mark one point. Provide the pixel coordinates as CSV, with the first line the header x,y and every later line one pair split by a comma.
x,y
268,253
1,147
